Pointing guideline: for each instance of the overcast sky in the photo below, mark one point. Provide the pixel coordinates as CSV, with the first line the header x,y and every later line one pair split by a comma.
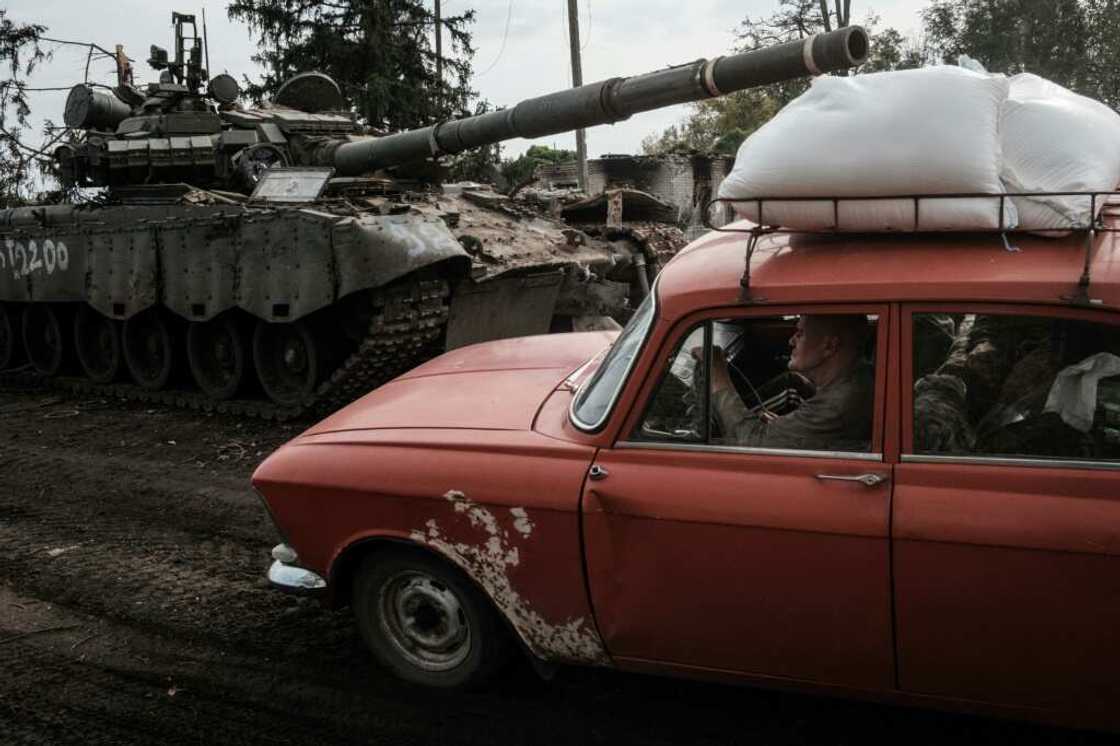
x,y
619,37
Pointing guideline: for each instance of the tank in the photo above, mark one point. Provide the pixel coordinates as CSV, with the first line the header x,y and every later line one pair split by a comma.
x,y
281,258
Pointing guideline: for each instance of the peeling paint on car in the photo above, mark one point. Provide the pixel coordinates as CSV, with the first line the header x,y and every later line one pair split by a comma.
x,y
489,562
521,522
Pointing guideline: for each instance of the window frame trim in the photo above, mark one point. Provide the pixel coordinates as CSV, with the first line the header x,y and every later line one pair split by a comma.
x,y
906,371
883,310
1023,461
754,450
598,426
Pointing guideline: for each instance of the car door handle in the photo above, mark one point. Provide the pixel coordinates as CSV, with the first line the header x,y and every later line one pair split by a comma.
x,y
870,480
596,472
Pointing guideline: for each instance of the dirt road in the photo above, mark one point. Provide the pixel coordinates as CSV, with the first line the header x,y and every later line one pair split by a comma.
x,y
133,609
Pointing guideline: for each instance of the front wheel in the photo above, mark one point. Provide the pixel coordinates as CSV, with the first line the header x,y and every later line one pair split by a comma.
x,y
426,623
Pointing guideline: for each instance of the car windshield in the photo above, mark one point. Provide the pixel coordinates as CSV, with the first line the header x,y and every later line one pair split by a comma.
x,y
596,397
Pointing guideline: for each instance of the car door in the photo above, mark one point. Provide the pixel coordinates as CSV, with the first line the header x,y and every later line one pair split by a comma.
x,y
748,559
1006,515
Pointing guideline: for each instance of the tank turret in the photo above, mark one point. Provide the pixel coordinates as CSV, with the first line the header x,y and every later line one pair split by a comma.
x,y
174,131
334,274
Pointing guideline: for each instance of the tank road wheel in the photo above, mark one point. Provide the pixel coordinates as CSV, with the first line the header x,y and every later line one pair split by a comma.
x,y
218,353
9,336
97,340
425,622
288,361
42,338
149,349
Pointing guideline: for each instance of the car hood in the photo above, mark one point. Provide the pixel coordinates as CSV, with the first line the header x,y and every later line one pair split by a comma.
x,y
491,386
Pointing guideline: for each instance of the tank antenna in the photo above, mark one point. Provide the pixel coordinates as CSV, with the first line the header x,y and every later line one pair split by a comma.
x,y
205,42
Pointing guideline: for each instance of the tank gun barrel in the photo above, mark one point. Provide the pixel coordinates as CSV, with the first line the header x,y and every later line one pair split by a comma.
x,y
609,101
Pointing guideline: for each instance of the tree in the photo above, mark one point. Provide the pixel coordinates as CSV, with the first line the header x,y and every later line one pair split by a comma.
x,y
515,173
1047,37
1075,43
720,125
19,53
379,51
1102,51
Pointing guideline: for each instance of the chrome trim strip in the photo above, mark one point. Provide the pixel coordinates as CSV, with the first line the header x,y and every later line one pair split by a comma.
x,y
704,447
590,428
1048,463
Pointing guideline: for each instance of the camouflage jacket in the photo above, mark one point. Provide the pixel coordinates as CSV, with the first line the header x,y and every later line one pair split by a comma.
x,y
836,418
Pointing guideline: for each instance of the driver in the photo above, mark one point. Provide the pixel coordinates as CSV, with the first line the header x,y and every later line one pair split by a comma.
x,y
827,350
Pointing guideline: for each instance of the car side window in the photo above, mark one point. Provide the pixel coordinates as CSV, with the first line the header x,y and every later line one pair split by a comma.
x,y
675,412
1016,386
786,382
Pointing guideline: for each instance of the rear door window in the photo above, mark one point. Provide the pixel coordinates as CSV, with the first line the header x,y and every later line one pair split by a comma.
x,y
1020,386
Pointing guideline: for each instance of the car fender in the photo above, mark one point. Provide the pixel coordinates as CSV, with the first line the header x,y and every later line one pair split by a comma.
x,y
492,545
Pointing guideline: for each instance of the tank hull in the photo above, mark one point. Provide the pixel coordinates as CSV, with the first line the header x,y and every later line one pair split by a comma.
x,y
200,261
123,300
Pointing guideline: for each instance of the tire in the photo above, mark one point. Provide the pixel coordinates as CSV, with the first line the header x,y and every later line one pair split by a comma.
x,y
455,639
97,342
288,361
150,348
44,337
219,357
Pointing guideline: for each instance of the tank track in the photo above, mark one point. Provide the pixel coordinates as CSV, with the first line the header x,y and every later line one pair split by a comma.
x,y
408,320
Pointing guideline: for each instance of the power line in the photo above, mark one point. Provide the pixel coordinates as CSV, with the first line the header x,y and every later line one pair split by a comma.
x,y
505,35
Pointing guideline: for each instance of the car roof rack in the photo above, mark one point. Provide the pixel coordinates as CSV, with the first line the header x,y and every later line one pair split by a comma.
x,y
1090,227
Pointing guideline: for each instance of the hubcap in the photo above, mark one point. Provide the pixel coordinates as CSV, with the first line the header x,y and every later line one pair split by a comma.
x,y
424,621
149,350
222,353
287,360
217,358
42,339
221,363
153,343
7,338
295,357
97,342
104,340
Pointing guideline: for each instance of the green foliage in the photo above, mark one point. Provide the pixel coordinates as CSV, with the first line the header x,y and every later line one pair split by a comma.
x,y
516,172
381,52
1043,36
720,125
1075,43
19,54
545,154
1101,63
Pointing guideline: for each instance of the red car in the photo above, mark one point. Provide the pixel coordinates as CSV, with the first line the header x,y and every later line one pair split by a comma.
x,y
888,469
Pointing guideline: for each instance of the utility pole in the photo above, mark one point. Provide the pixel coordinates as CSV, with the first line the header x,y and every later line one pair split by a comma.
x,y
439,44
577,81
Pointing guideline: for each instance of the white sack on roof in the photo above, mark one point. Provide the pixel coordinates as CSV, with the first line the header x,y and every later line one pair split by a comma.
x,y
1057,141
929,131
